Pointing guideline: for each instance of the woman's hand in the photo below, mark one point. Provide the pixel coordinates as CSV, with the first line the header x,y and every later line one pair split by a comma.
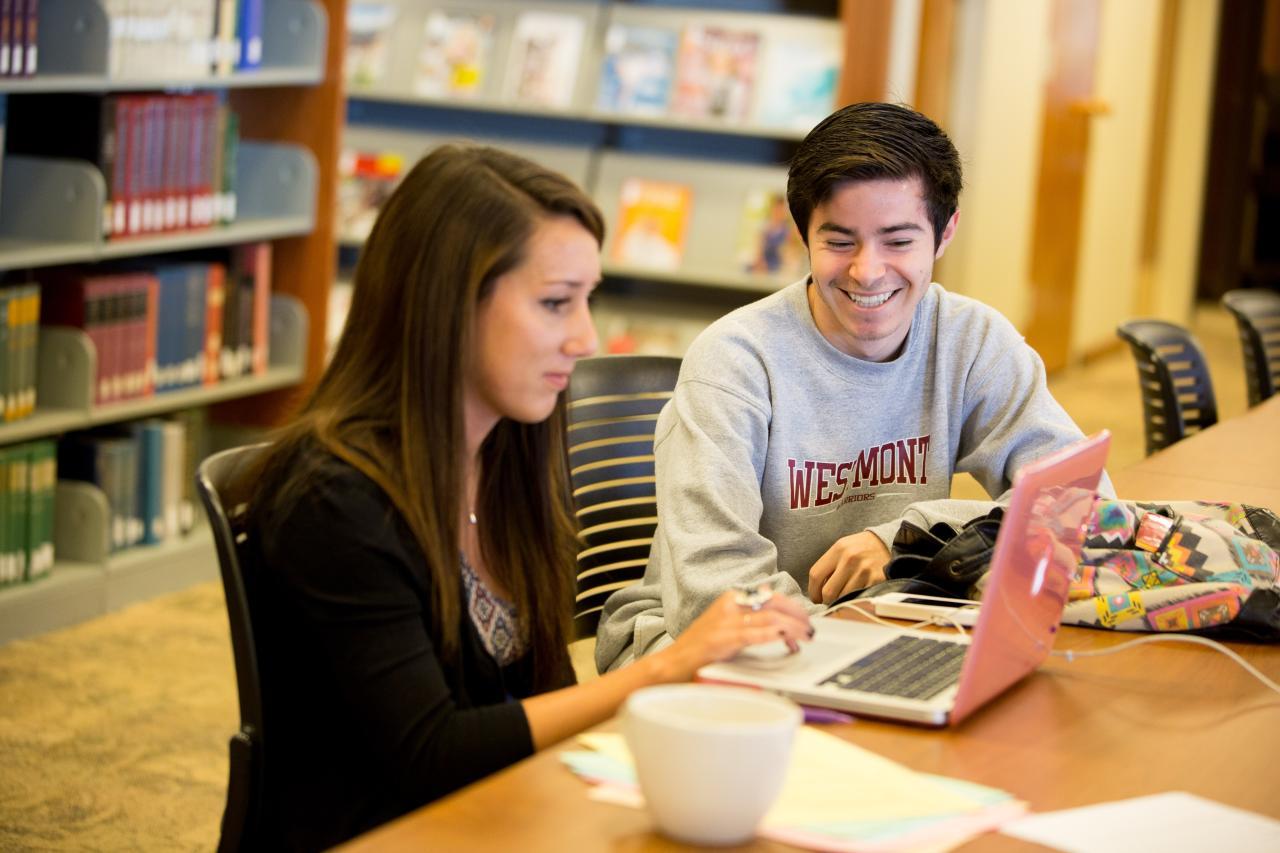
x,y
727,627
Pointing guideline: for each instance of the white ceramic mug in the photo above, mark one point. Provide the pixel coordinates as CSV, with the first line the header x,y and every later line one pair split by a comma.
x,y
710,759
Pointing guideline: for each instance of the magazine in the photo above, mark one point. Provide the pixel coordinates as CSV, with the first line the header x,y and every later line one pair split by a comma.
x,y
454,56
543,67
768,242
368,37
652,219
365,181
636,73
716,73
799,88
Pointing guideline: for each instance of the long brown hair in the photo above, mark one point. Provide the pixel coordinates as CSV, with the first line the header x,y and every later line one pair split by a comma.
x,y
390,401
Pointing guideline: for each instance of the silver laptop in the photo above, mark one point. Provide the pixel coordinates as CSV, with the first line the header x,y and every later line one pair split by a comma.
x,y
938,677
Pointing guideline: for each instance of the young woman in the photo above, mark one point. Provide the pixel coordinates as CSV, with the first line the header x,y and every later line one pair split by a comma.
x,y
412,545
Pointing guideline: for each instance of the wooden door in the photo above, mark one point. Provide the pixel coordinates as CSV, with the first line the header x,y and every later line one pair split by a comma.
x,y
1064,147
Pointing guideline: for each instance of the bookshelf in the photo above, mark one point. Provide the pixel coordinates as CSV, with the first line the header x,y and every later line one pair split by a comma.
x,y
51,214
602,140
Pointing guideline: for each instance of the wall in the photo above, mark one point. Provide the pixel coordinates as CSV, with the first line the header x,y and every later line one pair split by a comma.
x,y
1107,277
1172,290
1002,56
996,103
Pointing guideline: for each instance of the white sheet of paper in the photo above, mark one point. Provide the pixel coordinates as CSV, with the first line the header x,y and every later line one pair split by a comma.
x,y
1171,823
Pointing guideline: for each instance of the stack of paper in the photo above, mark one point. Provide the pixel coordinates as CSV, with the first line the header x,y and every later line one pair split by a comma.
x,y
837,797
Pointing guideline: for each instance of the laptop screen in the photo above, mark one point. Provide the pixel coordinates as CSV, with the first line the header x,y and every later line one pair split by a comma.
x,y
1036,554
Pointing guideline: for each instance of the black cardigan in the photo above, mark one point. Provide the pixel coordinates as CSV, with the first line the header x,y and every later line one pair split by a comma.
x,y
363,721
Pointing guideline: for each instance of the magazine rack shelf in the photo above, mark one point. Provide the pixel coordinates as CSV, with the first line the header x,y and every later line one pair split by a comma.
x,y
74,43
51,209
792,40
67,364
594,116
725,146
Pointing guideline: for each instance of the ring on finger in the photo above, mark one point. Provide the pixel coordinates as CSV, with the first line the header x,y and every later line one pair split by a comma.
x,y
755,599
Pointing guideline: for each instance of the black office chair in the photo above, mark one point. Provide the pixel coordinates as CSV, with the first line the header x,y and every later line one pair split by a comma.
x,y
613,406
1177,392
225,500
1257,314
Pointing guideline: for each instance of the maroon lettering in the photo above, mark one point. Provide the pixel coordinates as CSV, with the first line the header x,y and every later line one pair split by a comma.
x,y
842,480
923,446
866,466
888,462
907,461
824,497
801,482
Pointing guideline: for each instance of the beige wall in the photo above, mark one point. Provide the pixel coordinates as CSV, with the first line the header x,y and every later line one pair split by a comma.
x,y
1173,278
1116,176
997,100
1002,56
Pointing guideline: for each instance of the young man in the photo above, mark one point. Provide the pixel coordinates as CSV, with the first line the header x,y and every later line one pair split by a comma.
x,y
806,426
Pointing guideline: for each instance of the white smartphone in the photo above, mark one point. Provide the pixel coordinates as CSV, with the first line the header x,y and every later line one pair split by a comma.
x,y
906,605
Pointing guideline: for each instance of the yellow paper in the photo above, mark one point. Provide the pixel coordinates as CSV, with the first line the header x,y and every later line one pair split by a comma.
x,y
830,780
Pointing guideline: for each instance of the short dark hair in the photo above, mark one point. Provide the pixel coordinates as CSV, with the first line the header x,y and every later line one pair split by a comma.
x,y
869,141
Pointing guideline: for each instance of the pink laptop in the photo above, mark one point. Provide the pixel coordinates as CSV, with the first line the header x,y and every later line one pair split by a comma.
x,y
938,677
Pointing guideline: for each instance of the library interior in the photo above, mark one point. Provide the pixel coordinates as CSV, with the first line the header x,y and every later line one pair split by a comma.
x,y
185,194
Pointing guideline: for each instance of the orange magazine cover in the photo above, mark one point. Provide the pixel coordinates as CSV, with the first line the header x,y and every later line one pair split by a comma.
x,y
652,219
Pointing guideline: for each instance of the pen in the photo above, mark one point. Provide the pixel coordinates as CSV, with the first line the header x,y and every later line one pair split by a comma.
x,y
825,715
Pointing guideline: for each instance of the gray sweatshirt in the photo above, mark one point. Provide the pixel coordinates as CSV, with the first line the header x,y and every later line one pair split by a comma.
x,y
776,444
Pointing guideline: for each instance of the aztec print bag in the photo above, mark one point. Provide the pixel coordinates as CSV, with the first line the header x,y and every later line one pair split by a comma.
x,y
1211,568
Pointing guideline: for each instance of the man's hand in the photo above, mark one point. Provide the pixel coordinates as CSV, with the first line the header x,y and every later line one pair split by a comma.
x,y
854,562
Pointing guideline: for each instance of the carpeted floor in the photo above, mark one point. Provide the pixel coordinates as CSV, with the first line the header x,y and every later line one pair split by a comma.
x,y
113,733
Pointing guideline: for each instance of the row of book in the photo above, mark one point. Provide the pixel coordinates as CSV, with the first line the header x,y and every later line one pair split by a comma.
x,y
737,75
176,39
19,339
651,223
19,25
168,160
145,469
28,478
168,326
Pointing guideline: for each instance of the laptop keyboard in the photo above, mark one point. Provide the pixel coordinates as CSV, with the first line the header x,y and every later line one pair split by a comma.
x,y
911,667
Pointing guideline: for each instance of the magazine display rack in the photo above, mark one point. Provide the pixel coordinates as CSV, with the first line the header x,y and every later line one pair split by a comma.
x,y
359,194
672,118
75,46
623,64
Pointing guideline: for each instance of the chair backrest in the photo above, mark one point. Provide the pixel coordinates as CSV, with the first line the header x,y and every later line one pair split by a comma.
x,y
225,497
1177,392
1257,314
613,407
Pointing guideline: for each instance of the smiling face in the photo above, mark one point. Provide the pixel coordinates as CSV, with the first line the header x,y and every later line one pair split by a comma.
x,y
871,248
532,328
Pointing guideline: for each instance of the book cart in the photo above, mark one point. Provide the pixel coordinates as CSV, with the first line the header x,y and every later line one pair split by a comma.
x,y
52,216
677,119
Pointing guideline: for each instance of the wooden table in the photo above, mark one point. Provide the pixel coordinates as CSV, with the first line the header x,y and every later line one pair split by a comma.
x,y
1157,718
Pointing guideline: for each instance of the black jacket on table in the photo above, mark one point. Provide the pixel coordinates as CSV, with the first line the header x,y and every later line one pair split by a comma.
x,y
363,721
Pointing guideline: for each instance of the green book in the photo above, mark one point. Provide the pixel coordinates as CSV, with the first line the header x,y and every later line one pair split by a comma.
x,y
19,490
7,573
6,355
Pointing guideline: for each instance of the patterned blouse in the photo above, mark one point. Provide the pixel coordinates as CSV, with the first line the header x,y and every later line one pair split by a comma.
x,y
494,618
